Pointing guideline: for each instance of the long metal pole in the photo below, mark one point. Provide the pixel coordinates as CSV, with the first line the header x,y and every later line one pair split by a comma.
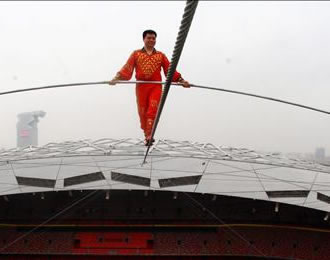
x,y
173,83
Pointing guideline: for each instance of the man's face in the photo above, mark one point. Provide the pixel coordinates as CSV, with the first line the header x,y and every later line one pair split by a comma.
x,y
150,40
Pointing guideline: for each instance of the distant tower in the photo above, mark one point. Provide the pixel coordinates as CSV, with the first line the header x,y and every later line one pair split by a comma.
x,y
27,129
320,153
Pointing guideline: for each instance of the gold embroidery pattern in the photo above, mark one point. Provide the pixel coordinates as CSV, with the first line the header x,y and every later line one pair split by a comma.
x,y
148,64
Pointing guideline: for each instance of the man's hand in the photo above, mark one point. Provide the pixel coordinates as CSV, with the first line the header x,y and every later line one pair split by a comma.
x,y
114,80
185,83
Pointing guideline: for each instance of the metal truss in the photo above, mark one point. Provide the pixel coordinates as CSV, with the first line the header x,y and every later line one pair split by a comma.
x,y
162,148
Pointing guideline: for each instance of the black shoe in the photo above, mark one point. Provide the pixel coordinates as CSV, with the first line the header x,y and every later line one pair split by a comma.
x,y
148,142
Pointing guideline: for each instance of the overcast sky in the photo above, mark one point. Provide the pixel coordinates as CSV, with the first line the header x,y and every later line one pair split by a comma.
x,y
279,49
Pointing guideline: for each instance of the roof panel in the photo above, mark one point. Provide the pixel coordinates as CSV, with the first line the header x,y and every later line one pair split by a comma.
x,y
130,179
179,181
288,193
82,179
323,197
36,182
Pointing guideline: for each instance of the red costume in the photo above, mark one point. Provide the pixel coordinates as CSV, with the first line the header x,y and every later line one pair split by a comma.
x,y
147,68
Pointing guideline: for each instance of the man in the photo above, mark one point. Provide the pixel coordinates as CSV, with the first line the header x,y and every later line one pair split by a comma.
x,y
147,63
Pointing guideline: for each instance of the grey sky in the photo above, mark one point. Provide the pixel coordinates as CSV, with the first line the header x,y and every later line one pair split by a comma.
x,y
278,49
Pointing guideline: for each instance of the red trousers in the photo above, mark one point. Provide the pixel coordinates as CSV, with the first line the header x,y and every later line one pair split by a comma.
x,y
148,97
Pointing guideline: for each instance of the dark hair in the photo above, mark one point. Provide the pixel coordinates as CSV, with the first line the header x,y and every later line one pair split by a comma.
x,y
148,32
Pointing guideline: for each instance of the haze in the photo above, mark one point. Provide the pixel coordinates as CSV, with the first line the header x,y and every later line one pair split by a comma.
x,y
278,49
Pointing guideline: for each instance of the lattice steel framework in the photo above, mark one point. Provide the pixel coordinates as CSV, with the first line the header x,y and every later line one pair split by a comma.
x,y
177,166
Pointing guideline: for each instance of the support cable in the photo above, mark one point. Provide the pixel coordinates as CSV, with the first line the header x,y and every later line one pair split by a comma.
x,y
186,21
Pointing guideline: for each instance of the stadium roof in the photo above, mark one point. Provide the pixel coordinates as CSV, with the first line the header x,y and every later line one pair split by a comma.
x,y
175,166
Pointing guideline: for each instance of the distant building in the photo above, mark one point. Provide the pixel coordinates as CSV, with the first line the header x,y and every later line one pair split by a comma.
x,y
27,128
320,153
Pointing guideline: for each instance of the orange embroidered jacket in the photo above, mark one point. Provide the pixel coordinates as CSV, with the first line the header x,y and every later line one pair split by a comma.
x,y
147,67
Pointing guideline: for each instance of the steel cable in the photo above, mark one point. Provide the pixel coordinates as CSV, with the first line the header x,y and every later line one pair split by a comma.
x,y
186,21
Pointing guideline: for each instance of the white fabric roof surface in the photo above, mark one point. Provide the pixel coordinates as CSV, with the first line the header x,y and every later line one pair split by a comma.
x,y
223,170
